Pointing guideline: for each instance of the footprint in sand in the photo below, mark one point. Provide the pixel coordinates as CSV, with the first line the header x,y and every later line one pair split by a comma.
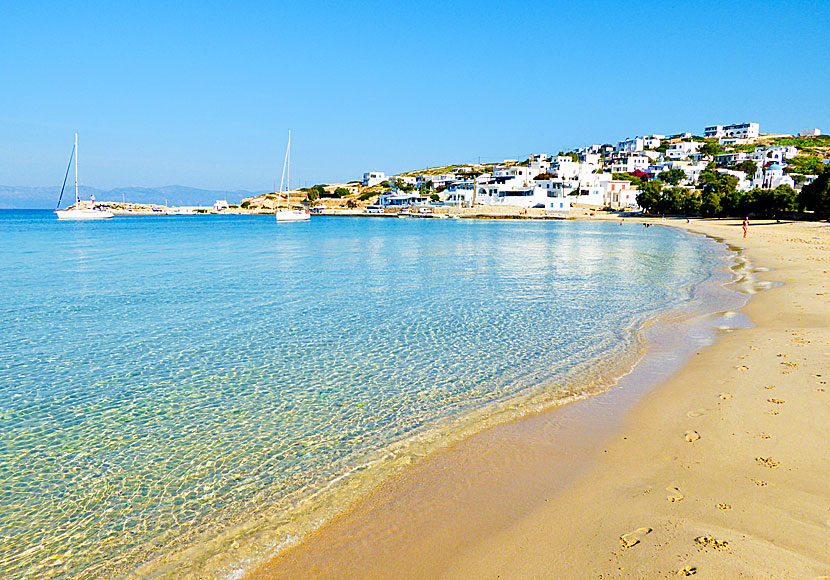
x,y
710,542
759,483
764,436
742,368
674,494
769,387
724,506
776,401
633,538
687,571
788,367
696,413
724,396
772,412
768,462
691,436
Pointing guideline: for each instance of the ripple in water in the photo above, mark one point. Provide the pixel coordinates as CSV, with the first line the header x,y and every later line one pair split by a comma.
x,y
165,381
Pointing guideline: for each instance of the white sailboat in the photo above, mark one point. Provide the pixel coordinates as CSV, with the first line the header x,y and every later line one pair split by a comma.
x,y
77,213
288,214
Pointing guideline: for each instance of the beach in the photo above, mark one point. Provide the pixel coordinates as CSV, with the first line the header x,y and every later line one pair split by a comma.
x,y
718,472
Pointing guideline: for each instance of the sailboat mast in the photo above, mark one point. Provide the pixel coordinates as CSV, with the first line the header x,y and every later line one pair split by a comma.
x,y
77,199
288,174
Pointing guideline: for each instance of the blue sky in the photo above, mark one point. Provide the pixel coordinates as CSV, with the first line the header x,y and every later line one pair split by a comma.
x,y
203,94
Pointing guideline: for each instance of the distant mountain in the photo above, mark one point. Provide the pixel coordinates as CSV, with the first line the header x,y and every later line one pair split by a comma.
x,y
22,197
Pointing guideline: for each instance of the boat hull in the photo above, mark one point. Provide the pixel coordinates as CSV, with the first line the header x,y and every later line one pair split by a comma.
x,y
293,215
84,214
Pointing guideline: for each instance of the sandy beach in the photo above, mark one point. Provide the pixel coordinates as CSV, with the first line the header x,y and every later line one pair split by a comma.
x,y
718,472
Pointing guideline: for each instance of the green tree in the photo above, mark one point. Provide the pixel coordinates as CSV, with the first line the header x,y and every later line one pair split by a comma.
x,y
774,202
689,202
649,196
711,148
434,197
715,186
815,196
341,192
748,166
672,176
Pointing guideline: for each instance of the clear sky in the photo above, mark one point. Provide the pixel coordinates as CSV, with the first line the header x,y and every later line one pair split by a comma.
x,y
203,93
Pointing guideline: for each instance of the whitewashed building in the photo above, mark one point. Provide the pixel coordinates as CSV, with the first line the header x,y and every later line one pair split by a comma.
x,y
776,154
771,176
631,164
371,178
401,200
683,149
736,131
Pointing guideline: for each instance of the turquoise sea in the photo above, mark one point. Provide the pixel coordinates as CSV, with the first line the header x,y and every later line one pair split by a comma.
x,y
181,394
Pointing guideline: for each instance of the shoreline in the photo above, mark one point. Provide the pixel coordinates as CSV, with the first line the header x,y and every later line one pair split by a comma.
x,y
246,542
496,550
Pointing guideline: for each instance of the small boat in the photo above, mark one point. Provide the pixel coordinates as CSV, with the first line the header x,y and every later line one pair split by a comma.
x,y
288,214
75,212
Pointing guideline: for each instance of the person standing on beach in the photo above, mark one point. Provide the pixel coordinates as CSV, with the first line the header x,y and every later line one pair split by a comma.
x,y
746,224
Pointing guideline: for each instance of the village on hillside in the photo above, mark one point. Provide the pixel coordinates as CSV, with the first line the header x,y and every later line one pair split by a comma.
x,y
680,173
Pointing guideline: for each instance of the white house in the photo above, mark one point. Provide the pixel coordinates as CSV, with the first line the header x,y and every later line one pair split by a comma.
x,y
633,145
401,200
737,131
630,164
220,204
620,194
371,178
683,149
440,180
460,193
777,154
809,133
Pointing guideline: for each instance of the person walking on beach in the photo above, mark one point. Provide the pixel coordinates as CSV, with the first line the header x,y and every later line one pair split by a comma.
x,y
746,223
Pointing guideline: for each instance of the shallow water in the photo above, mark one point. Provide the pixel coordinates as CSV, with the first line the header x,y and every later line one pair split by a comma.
x,y
165,379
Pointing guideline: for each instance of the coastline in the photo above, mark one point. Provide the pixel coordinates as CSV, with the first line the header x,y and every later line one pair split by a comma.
x,y
545,536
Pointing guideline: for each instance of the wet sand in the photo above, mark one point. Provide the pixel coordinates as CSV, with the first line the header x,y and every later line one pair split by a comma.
x,y
719,472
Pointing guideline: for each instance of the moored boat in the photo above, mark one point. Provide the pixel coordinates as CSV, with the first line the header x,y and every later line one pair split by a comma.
x,y
75,212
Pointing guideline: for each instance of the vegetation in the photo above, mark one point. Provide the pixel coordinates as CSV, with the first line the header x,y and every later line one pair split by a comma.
x,y
672,176
806,165
718,196
542,176
748,166
636,178
815,196
366,195
314,193
711,148
434,197
403,186
245,204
